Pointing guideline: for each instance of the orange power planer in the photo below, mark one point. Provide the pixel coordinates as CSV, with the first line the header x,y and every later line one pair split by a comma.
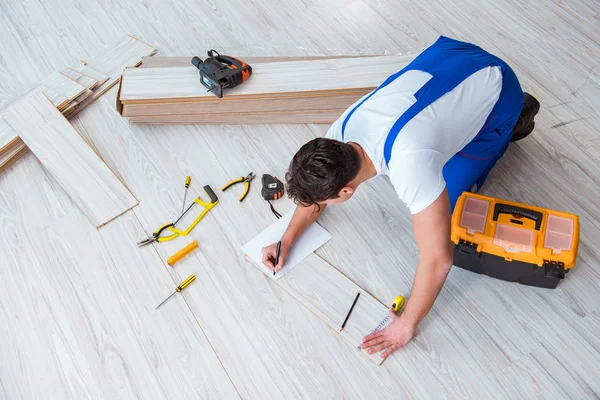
x,y
512,241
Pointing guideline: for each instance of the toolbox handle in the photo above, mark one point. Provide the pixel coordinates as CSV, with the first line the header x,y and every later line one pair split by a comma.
x,y
501,208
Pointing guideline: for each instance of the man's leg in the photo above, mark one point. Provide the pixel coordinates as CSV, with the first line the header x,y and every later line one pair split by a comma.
x,y
525,124
462,172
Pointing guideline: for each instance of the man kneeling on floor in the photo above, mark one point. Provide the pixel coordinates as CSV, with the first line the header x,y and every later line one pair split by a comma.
x,y
436,128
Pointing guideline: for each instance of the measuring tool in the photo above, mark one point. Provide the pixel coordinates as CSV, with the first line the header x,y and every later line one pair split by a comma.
x,y
179,288
244,179
175,232
218,72
272,189
396,306
182,253
188,180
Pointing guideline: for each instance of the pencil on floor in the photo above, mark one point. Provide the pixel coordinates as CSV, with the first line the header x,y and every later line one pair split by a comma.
x,y
350,312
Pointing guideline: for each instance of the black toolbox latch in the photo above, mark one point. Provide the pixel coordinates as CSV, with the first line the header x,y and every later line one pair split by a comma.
x,y
554,269
467,247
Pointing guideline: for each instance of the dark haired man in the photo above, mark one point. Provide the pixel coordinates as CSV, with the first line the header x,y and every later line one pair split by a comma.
x,y
436,128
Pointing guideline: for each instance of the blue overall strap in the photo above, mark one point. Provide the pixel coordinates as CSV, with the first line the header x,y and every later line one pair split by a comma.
x,y
449,62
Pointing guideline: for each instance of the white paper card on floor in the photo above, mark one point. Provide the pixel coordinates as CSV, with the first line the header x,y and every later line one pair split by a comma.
x,y
314,237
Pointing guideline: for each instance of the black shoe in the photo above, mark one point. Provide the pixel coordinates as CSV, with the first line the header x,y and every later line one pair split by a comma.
x,y
525,124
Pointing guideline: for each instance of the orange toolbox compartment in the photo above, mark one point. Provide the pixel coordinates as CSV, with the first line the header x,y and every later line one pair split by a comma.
x,y
512,241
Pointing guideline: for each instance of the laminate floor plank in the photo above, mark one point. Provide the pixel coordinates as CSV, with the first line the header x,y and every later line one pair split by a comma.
x,y
83,175
319,116
63,85
185,61
248,106
80,78
143,84
10,157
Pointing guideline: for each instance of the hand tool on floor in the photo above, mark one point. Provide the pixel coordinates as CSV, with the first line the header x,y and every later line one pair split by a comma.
x,y
179,288
396,306
188,180
350,311
175,232
182,253
219,72
272,189
244,179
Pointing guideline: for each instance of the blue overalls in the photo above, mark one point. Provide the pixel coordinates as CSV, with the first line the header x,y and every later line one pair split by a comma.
x,y
450,62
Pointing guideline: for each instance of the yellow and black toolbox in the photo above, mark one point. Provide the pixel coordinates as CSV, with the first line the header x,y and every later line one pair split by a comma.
x,y
512,241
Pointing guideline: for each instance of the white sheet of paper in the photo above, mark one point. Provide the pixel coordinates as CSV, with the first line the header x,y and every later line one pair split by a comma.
x,y
314,237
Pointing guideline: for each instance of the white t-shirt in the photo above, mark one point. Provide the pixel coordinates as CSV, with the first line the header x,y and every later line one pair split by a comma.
x,y
429,139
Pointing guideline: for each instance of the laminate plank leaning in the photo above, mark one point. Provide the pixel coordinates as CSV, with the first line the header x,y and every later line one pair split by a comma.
x,y
63,152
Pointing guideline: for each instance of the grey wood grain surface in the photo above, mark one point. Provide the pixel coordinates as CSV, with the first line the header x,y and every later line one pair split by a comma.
x,y
483,338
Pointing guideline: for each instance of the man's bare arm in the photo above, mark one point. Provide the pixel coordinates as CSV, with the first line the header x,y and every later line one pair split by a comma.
x,y
303,217
432,233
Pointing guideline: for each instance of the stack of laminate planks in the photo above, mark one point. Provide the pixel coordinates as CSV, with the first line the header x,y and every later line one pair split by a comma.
x,y
71,89
288,92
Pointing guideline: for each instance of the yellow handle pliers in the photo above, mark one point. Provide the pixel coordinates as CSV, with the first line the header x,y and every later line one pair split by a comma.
x,y
244,179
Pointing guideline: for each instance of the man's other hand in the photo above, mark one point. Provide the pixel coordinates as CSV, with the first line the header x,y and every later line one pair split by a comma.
x,y
397,334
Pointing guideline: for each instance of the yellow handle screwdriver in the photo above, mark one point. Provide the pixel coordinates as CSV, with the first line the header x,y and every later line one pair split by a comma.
x,y
188,180
179,288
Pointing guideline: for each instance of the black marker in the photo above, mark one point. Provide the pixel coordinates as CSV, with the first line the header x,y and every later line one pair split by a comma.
x,y
277,255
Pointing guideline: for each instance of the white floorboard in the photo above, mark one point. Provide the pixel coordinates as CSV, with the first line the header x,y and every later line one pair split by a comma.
x,y
77,315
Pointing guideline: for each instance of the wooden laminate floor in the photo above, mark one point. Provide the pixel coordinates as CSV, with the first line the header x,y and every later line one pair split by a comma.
x,y
77,316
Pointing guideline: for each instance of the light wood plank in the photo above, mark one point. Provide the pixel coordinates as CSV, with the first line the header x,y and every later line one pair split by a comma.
x,y
87,180
80,78
152,84
275,117
185,61
63,85
59,100
91,73
8,137
127,52
286,104
10,157
329,294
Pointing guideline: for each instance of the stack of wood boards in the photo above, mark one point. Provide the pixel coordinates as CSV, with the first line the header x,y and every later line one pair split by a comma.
x,y
71,89
290,92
